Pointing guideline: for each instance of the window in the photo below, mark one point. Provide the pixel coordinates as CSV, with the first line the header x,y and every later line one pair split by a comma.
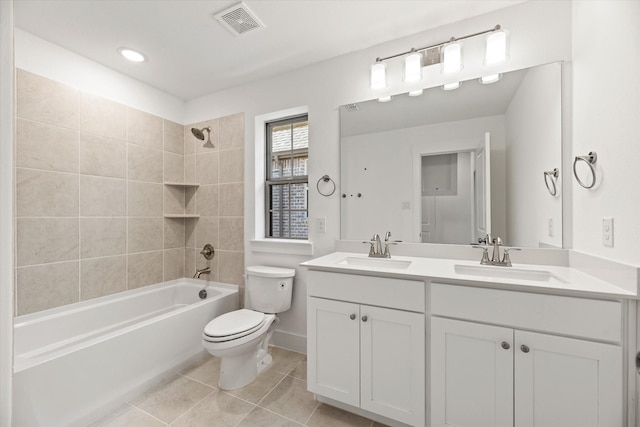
x,y
287,182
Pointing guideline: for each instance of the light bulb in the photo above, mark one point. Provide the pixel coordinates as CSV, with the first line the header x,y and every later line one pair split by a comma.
x,y
131,54
451,58
412,67
496,47
485,80
451,86
416,92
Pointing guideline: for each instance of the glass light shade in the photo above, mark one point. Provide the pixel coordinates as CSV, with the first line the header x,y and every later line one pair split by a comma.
x,y
131,54
497,47
490,79
451,58
379,75
384,99
416,92
413,68
451,86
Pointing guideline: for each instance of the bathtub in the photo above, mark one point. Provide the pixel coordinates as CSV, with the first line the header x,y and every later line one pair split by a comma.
x,y
74,364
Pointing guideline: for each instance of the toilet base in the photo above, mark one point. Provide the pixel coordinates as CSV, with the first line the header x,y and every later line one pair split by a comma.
x,y
239,371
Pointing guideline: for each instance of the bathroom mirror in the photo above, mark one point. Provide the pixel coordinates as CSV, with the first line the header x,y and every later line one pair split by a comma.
x,y
451,166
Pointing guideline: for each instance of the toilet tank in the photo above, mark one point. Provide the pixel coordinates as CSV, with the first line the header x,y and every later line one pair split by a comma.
x,y
268,289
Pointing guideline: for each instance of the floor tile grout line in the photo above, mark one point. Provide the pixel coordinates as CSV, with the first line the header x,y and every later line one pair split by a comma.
x,y
192,406
312,412
146,413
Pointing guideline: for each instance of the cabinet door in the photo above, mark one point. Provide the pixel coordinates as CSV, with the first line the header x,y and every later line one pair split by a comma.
x,y
563,382
471,374
333,349
393,364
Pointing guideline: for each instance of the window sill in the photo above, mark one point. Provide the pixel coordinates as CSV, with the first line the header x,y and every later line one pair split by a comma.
x,y
282,246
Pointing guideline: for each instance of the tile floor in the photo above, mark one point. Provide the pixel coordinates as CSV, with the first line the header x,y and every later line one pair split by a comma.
x,y
277,398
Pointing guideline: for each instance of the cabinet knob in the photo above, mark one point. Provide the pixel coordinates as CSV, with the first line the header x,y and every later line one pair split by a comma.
x,y
352,317
505,345
524,348
365,318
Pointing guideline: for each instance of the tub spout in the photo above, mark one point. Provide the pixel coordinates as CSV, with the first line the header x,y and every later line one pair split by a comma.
x,y
206,270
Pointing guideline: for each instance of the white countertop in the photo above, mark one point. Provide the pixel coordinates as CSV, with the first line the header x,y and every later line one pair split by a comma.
x,y
553,279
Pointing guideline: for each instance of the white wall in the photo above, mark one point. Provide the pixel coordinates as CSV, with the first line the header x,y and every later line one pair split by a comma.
x,y
533,145
540,33
606,111
6,209
49,60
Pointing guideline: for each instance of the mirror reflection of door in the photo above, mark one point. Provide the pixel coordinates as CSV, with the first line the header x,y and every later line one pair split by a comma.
x,y
455,195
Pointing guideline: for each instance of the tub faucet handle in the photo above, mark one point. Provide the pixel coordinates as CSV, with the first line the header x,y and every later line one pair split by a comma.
x,y
208,252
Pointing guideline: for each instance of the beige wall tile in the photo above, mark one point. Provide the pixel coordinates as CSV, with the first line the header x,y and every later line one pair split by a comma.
x,y
46,101
231,166
207,231
173,264
144,234
232,234
42,193
173,200
207,200
42,146
173,137
144,199
190,233
190,168
231,267
231,131
102,276
44,240
189,262
190,197
101,237
174,232
173,167
144,129
102,196
144,269
207,168
103,156
144,164
231,199
100,116
46,286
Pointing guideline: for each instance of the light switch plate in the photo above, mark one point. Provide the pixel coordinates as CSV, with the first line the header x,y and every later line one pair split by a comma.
x,y
607,232
321,224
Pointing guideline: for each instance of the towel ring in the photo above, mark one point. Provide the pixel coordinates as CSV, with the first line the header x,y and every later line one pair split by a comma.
x,y
552,176
590,159
326,178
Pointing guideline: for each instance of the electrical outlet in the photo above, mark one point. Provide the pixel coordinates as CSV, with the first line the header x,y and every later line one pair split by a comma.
x,y
321,225
550,227
607,232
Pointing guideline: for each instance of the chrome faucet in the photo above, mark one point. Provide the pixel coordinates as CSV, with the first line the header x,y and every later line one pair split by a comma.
x,y
375,248
206,270
504,261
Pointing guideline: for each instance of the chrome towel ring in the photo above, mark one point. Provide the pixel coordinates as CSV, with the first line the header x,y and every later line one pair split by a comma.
x,y
326,178
590,159
551,176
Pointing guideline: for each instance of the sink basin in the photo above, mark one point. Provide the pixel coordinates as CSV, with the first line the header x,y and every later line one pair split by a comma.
x,y
395,264
507,273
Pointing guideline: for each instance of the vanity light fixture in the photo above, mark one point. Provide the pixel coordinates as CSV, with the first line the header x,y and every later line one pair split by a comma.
x,y
451,86
448,54
131,55
378,75
416,92
487,80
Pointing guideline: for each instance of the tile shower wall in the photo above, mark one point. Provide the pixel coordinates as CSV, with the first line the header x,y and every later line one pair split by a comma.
x,y
90,197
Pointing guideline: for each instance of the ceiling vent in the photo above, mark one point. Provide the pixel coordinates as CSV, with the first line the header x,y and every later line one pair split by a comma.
x,y
352,108
239,19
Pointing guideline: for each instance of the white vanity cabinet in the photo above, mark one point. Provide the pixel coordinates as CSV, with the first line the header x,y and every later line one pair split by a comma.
x,y
366,343
488,367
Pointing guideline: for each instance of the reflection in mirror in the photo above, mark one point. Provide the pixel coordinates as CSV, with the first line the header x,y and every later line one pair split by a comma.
x,y
453,166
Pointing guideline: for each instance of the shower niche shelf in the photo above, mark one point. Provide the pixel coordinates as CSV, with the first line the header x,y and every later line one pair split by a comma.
x,y
183,184
181,216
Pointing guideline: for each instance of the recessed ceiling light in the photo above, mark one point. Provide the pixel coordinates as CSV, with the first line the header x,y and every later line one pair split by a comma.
x,y
131,54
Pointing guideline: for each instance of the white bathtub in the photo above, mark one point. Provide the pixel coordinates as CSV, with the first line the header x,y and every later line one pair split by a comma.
x,y
74,364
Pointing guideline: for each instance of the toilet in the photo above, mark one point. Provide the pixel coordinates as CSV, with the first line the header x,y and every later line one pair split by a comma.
x,y
241,338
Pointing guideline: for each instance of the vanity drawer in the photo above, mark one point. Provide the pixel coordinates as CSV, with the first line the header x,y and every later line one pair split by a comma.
x,y
381,291
579,317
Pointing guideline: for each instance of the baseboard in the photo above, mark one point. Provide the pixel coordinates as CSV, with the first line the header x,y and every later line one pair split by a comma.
x,y
293,342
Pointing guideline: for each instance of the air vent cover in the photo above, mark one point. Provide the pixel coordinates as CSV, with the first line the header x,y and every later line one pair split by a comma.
x,y
239,19
352,107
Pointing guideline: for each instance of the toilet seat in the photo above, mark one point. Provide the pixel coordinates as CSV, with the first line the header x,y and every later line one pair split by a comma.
x,y
234,325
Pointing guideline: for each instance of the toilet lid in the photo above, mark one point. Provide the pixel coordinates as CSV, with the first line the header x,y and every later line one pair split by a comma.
x,y
234,323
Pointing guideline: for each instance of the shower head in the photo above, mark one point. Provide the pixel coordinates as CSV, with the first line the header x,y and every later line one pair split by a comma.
x,y
199,133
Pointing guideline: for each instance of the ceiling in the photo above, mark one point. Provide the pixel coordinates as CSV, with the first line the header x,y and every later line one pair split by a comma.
x,y
190,54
